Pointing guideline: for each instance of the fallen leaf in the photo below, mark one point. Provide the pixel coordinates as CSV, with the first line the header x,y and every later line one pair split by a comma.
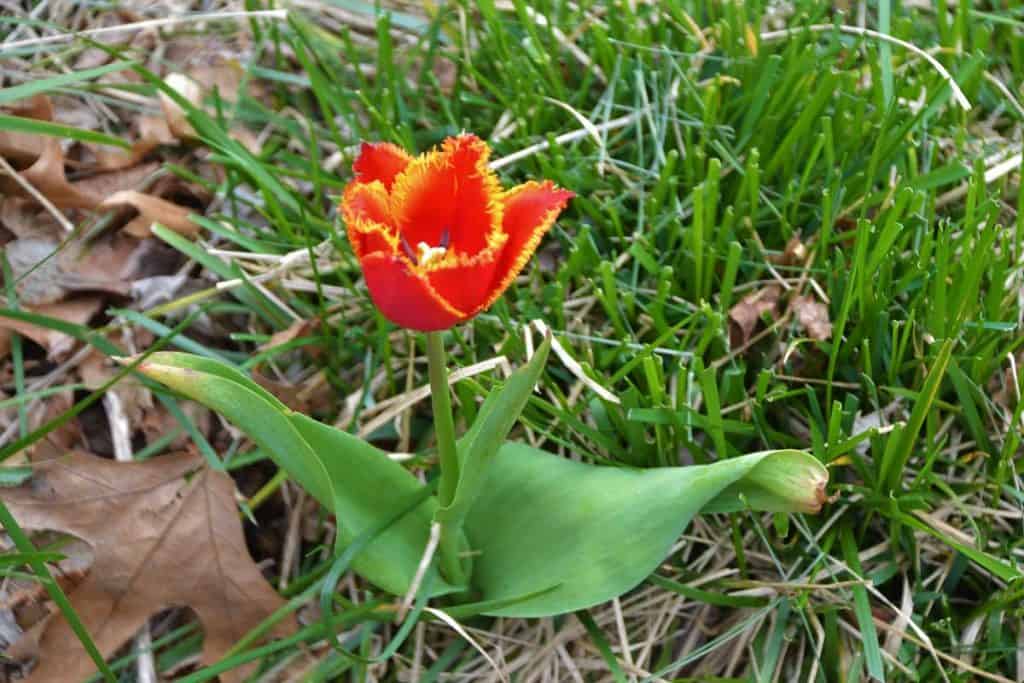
x,y
153,210
57,344
745,314
24,148
175,115
152,133
46,174
164,532
310,396
297,329
46,272
795,252
223,77
106,184
812,315
25,218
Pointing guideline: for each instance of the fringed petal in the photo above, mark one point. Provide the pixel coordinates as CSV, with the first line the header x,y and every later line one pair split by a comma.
x,y
406,298
367,214
380,161
450,198
466,281
530,211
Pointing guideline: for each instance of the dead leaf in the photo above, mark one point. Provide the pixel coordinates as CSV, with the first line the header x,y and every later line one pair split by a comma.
x,y
153,210
105,184
153,132
24,148
297,329
25,218
223,77
747,313
175,115
57,344
310,396
164,532
795,252
46,271
812,315
46,174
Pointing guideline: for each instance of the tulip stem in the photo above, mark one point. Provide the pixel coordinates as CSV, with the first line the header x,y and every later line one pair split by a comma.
x,y
444,431
444,425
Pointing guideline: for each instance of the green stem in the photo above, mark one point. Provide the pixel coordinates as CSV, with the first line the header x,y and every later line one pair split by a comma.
x,y
444,425
444,430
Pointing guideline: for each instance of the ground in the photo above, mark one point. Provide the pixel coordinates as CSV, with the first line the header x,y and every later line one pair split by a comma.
x,y
796,225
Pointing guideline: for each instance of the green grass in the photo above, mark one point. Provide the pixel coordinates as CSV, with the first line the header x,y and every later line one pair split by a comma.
x,y
733,148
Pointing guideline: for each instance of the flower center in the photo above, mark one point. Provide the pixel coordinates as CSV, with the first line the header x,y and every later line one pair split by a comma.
x,y
429,254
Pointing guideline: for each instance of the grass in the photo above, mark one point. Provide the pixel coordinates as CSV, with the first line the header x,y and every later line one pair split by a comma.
x,y
726,150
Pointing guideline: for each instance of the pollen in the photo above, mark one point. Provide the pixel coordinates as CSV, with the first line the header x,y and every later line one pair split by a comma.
x,y
428,254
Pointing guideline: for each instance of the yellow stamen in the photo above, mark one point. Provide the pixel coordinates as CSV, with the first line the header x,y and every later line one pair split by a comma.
x,y
429,253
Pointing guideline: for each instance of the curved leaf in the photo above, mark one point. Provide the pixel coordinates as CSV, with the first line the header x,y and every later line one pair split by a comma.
x,y
357,481
595,532
498,414
372,487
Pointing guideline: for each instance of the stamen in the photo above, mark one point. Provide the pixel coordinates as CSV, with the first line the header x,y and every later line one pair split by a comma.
x,y
446,237
407,249
429,253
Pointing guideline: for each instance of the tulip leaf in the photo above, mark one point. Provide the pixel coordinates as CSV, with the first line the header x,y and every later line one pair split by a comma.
x,y
497,416
595,532
358,482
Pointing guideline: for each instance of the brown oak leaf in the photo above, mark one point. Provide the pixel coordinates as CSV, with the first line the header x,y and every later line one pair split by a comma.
x,y
165,533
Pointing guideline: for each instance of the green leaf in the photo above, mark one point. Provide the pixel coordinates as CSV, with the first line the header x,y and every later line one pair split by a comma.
x,y
371,488
18,124
595,532
498,414
357,481
35,87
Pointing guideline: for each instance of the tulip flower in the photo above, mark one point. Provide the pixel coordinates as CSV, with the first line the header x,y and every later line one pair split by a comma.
x,y
438,238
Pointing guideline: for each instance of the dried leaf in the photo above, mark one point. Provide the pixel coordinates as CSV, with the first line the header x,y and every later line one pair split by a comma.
x,y
57,344
25,218
153,132
297,329
795,253
25,148
311,396
153,210
223,77
812,315
46,272
105,184
188,89
746,314
47,174
187,548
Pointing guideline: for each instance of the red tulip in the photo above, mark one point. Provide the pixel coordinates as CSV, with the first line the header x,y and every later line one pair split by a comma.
x,y
438,238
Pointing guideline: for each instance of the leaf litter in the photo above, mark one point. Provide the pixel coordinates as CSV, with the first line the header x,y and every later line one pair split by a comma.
x,y
75,224
164,532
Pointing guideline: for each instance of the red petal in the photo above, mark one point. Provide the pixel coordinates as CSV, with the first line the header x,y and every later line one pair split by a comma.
x,y
404,297
380,161
466,282
450,191
364,206
530,211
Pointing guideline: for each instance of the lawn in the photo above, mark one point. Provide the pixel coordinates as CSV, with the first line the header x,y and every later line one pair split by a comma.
x,y
795,226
